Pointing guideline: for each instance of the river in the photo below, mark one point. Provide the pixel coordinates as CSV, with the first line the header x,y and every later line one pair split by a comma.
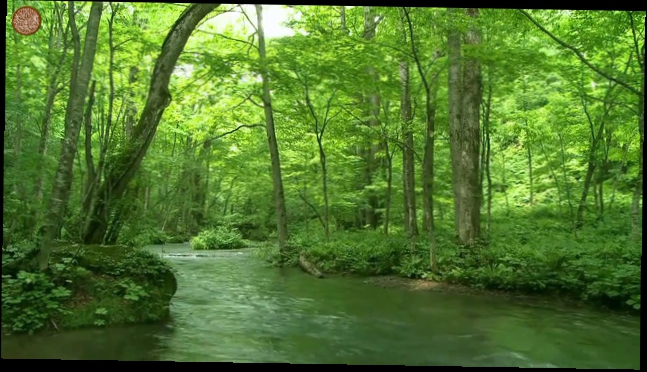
x,y
233,307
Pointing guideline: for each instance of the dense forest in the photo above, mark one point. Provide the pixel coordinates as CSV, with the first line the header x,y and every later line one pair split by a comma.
x,y
496,148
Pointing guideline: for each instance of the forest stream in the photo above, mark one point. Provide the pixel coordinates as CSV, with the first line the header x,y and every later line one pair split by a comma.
x,y
231,307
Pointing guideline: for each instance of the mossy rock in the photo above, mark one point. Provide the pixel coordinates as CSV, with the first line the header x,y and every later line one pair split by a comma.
x,y
109,285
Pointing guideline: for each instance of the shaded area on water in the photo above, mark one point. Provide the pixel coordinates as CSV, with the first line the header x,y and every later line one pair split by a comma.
x,y
231,307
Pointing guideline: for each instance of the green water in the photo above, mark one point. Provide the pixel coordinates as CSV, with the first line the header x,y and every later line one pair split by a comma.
x,y
231,307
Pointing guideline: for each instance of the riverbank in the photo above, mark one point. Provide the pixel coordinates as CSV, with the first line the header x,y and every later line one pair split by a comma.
x,y
235,308
88,286
600,273
425,285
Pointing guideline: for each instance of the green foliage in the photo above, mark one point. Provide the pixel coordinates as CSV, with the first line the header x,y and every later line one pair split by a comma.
x,y
204,170
100,313
133,291
141,238
535,258
30,300
89,285
219,238
610,277
135,263
249,226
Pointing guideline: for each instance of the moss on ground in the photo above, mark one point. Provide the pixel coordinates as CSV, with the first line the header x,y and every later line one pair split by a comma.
x,y
89,286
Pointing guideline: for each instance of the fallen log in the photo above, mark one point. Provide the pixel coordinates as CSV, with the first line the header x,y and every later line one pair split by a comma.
x,y
309,267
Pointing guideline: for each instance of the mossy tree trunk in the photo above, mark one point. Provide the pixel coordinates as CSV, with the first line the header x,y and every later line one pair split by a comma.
x,y
121,172
73,120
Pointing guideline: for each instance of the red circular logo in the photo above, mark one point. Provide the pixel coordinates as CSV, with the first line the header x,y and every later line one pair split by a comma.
x,y
26,20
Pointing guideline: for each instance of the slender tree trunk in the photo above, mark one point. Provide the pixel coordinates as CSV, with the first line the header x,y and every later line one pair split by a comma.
x,y
486,122
18,135
428,162
279,198
73,120
428,173
88,190
405,196
567,184
528,145
389,186
590,171
410,210
552,173
324,180
531,185
52,91
623,163
636,209
505,183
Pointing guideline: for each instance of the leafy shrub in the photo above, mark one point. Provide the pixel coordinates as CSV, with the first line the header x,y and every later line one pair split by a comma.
x,y
30,300
218,238
609,275
138,238
530,255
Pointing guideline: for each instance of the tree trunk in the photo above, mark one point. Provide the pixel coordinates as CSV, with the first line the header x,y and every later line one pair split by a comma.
x,y
123,170
528,145
405,196
531,186
636,220
428,162
410,214
486,162
590,171
389,186
279,197
52,91
73,120
88,190
505,183
428,172
324,180
464,133
567,185
372,215
552,174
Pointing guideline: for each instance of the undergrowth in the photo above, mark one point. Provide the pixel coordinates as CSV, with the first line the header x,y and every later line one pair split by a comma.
x,y
219,238
86,286
538,256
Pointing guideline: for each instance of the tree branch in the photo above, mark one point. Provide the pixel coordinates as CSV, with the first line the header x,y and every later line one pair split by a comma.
x,y
246,16
579,55
246,42
314,209
381,134
641,62
225,134
326,120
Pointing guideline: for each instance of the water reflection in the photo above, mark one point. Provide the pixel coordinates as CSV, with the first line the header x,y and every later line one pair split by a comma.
x,y
233,308
143,342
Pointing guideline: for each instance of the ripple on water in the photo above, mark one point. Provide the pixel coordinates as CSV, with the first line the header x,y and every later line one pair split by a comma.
x,y
232,307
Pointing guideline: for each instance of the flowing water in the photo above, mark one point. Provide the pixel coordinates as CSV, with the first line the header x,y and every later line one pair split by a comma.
x,y
232,307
